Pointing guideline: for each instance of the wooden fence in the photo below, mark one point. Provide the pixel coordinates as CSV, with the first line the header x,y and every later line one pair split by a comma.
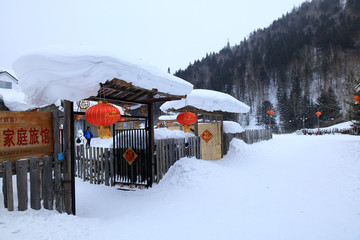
x,y
168,151
95,165
45,183
350,131
248,136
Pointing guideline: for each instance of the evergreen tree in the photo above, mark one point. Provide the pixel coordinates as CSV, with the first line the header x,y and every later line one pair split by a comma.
x,y
295,103
354,113
264,117
328,105
308,117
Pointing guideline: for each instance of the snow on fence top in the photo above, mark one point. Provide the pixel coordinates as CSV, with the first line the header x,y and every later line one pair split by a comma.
x,y
208,100
74,74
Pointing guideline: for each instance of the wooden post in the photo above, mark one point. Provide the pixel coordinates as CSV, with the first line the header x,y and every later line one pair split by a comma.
x,y
91,165
69,146
106,160
112,170
86,164
35,184
9,186
59,204
22,185
48,183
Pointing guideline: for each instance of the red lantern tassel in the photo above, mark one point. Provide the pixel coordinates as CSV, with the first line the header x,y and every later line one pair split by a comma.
x,y
104,132
187,128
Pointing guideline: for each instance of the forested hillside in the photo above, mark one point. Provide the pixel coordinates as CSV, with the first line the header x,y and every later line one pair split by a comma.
x,y
306,61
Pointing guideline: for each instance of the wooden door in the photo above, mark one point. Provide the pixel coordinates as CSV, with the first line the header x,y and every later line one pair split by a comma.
x,y
210,134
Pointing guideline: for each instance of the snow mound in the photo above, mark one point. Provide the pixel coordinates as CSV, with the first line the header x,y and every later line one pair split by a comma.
x,y
237,148
189,172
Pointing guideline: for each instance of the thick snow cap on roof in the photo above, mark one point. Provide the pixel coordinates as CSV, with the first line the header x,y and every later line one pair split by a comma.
x,y
232,127
74,74
208,100
167,117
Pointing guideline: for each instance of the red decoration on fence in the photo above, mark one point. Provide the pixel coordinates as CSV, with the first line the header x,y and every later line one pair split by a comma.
x,y
130,155
186,118
318,114
357,99
103,115
78,117
206,136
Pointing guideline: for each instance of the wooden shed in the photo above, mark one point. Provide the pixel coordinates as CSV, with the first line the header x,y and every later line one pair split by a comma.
x,y
47,76
209,106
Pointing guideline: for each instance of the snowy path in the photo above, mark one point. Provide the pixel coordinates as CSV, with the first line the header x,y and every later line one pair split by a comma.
x,y
289,188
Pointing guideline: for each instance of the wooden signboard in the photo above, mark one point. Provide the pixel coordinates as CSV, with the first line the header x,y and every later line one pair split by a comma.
x,y
210,134
25,134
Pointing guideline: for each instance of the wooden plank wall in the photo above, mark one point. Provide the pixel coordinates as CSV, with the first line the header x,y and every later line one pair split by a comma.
x,y
40,189
168,151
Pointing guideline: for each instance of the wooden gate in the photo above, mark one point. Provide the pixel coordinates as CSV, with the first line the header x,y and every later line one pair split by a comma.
x,y
210,134
132,154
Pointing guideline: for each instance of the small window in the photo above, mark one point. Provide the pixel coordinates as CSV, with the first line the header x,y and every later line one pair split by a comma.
x,y
5,85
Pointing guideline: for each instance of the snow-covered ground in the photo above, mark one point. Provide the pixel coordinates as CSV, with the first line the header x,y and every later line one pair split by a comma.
x,y
289,188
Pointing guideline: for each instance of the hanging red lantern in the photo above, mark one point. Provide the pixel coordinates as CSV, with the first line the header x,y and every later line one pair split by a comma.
x,y
102,115
186,118
318,114
270,112
357,99
78,117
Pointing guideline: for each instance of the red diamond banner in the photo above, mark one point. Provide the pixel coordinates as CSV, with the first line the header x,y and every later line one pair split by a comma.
x,y
206,136
130,155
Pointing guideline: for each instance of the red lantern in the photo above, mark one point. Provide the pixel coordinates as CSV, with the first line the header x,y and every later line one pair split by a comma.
x,y
102,115
357,99
78,117
318,114
270,112
186,118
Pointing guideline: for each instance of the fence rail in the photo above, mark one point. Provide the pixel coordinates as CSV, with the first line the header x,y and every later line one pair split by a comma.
x,y
350,131
43,173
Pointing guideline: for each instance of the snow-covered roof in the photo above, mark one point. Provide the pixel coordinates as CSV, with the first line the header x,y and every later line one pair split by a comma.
x,y
167,117
207,100
74,74
8,75
14,100
232,127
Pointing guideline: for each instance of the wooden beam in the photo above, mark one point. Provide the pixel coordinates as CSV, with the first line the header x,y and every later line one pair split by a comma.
x,y
138,94
69,142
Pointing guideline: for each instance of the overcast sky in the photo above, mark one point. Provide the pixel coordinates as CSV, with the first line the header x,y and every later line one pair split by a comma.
x,y
163,33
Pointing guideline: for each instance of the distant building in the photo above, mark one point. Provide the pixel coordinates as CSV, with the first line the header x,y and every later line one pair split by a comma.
x,y
8,81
